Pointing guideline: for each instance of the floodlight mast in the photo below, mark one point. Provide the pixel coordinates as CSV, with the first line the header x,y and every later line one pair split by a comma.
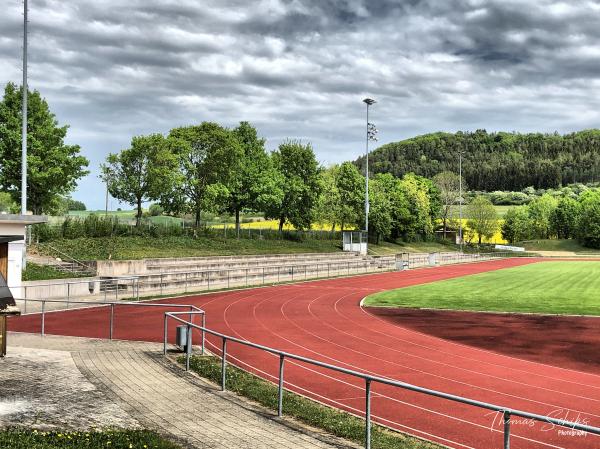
x,y
24,116
370,135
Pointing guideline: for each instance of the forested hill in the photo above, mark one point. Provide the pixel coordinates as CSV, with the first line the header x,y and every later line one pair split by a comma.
x,y
495,161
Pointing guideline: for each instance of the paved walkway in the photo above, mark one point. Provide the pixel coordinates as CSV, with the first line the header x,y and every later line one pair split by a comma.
x,y
137,379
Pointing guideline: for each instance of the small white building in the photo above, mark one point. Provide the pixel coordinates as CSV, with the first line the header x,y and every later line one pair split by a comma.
x,y
13,229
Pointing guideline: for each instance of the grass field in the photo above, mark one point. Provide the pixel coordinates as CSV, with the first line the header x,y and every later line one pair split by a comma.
x,y
557,245
548,287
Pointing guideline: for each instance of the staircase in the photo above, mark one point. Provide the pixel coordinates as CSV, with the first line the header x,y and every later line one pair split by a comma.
x,y
63,262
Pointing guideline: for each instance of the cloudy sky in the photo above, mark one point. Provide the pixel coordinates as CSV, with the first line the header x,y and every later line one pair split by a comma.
x,y
300,68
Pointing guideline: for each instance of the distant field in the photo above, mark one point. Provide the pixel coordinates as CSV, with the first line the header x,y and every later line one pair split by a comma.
x,y
546,287
557,245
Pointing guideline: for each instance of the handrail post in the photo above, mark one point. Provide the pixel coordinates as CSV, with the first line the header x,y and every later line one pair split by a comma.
x,y
228,276
367,413
112,320
203,332
161,284
506,416
263,282
280,390
208,279
165,335
223,363
188,347
68,294
43,318
246,277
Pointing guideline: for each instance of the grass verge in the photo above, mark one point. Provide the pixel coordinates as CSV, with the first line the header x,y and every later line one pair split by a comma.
x,y
35,272
334,421
137,247
547,287
20,438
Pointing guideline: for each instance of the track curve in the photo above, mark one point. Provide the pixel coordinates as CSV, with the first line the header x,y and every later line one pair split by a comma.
x,y
323,320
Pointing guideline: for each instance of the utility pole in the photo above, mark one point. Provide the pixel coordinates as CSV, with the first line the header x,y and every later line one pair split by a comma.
x,y
24,114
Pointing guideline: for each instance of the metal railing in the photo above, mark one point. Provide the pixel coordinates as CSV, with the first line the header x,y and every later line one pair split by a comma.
x,y
221,278
106,287
506,412
193,310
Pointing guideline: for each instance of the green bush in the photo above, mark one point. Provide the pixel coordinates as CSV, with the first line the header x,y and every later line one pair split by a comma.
x,y
156,210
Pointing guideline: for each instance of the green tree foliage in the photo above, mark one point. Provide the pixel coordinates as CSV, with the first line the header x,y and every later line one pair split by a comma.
x,y
7,204
516,226
342,197
53,168
540,211
483,218
350,185
448,184
495,161
209,156
589,222
423,204
143,172
380,206
299,170
255,184
564,219
156,210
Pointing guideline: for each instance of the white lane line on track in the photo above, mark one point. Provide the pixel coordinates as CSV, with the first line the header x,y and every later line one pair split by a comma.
x,y
360,413
371,343
354,386
348,348
487,351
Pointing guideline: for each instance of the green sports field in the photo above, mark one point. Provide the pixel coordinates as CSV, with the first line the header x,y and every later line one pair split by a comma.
x,y
546,287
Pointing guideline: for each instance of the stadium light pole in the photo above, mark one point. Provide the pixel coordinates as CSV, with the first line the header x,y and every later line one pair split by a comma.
x,y
24,117
371,135
460,199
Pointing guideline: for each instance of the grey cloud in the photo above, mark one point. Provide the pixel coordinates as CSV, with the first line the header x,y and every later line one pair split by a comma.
x,y
299,68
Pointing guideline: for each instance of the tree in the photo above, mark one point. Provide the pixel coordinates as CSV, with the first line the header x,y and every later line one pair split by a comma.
x,y
209,155
589,223
299,172
448,184
328,207
350,185
380,207
142,172
540,210
516,226
254,184
75,204
53,168
483,218
418,221
155,210
564,218
7,204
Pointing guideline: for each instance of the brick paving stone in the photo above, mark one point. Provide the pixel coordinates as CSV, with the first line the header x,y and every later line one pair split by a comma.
x,y
148,388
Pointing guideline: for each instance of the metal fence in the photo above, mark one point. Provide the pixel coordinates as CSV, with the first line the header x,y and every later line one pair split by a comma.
x,y
201,280
506,412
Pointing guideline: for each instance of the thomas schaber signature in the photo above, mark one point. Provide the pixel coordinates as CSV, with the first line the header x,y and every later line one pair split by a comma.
x,y
560,414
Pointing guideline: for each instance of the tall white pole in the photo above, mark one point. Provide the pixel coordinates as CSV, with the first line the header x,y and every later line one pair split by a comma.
x,y
367,178
460,199
24,113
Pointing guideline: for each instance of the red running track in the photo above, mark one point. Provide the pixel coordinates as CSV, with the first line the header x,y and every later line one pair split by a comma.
x,y
323,320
